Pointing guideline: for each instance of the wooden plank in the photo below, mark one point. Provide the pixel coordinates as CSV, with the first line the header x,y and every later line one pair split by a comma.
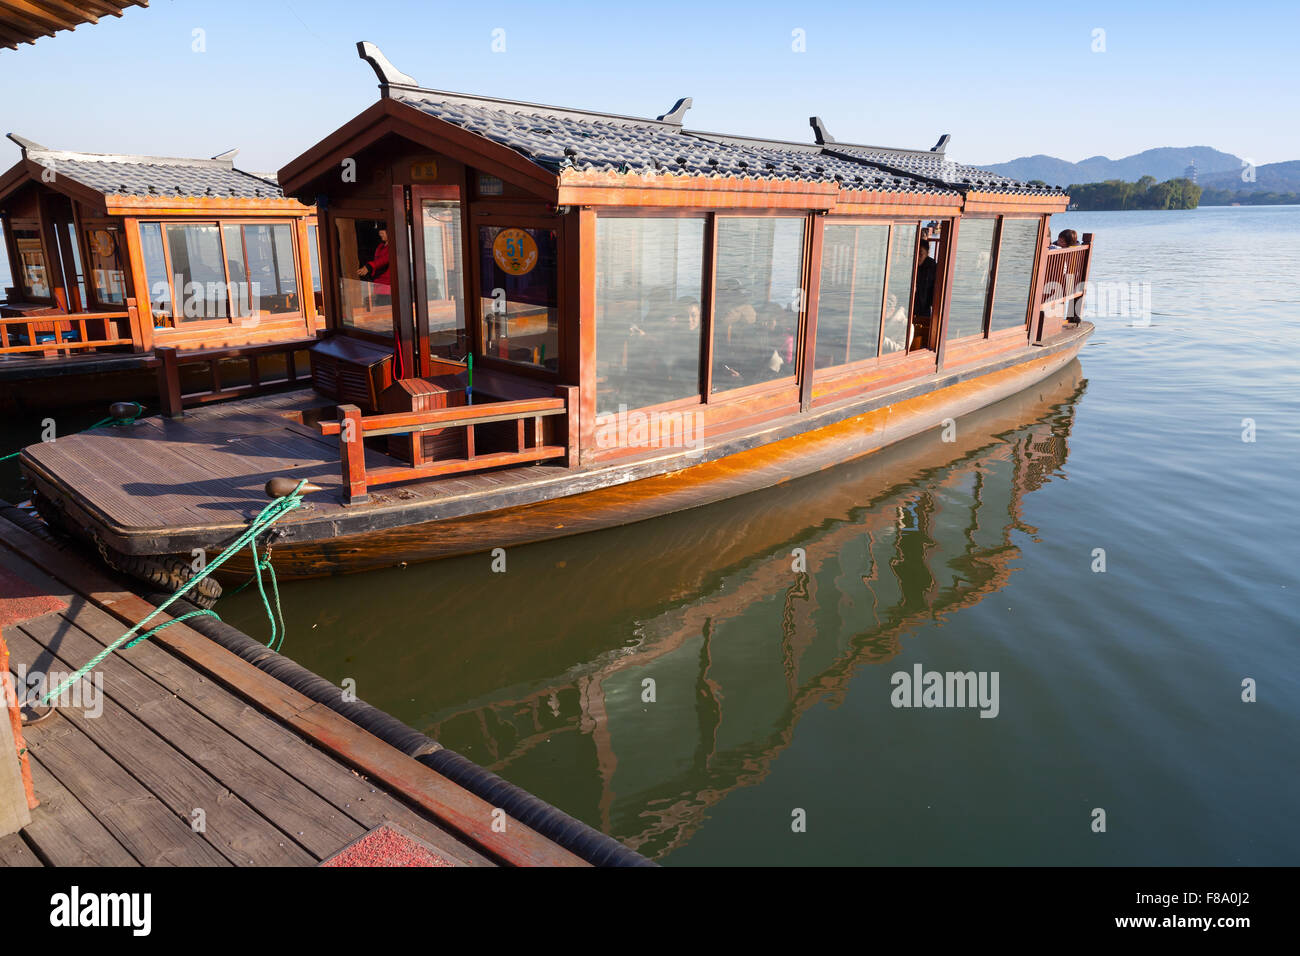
x,y
151,832
278,757
14,852
65,833
255,814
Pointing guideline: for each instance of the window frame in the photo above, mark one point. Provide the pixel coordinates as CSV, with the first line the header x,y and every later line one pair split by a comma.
x,y
1034,266
27,224
882,359
183,325
484,215
706,293
809,219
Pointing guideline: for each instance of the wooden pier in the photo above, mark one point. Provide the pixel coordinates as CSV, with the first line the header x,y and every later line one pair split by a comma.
x,y
192,756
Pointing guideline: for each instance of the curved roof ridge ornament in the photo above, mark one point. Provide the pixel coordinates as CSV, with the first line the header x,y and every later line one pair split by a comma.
x,y
820,134
25,144
940,146
388,74
677,114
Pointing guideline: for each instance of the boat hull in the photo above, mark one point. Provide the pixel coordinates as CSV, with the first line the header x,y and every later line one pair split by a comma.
x,y
690,487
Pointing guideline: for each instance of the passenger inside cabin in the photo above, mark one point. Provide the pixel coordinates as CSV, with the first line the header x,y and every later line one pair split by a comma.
x,y
775,357
924,298
1065,240
376,271
895,318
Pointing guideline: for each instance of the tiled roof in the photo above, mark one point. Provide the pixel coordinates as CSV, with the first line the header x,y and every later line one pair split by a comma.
x,y
558,139
937,167
118,175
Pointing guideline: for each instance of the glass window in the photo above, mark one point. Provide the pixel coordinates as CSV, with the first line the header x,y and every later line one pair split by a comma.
x,y
648,330
365,289
31,259
898,298
1016,252
756,300
155,270
970,282
444,278
313,248
261,264
852,290
271,273
106,274
68,238
517,272
198,273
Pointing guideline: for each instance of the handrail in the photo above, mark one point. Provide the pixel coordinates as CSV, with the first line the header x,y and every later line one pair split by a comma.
x,y
1065,271
531,448
171,360
1063,283
395,423
57,322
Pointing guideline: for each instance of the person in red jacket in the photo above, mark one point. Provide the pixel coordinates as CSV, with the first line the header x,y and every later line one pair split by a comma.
x,y
376,270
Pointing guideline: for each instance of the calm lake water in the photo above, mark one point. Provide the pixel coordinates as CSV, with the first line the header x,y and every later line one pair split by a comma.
x,y
1119,690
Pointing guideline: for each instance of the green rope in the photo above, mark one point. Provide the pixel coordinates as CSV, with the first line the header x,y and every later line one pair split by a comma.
x,y
111,421
265,518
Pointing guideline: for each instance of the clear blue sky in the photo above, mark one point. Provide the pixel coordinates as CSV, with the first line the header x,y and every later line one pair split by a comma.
x,y
1005,81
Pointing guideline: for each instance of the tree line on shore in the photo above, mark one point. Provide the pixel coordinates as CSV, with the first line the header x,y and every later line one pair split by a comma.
x,y
1146,193
1179,193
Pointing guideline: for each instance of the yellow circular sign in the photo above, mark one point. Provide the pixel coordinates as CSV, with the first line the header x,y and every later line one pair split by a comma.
x,y
515,251
104,242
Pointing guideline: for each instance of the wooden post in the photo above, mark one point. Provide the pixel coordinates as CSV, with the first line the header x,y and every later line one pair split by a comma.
x,y
572,434
15,799
1036,287
585,296
352,454
169,382
808,339
306,295
949,253
138,282
1084,273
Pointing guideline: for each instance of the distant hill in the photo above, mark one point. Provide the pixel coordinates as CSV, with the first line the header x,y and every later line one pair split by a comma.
x,y
1167,162
1271,177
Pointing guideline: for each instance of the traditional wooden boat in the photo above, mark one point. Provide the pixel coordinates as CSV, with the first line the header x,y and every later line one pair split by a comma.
x,y
589,319
114,257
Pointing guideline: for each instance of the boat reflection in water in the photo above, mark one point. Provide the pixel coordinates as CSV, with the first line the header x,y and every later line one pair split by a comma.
x,y
540,673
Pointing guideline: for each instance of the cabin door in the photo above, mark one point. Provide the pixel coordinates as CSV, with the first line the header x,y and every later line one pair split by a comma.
x,y
438,255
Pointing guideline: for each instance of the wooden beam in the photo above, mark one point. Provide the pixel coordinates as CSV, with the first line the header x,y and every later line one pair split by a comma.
x,y
808,343
950,259
29,12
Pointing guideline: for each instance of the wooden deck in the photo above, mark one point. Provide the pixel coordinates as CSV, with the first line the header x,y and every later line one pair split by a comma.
x,y
208,469
187,726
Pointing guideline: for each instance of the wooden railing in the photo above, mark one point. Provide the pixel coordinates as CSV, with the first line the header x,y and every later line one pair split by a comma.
x,y
352,428
1066,271
1064,282
86,331
171,360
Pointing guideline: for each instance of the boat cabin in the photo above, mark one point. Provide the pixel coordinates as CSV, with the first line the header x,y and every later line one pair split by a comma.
x,y
123,254
679,282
